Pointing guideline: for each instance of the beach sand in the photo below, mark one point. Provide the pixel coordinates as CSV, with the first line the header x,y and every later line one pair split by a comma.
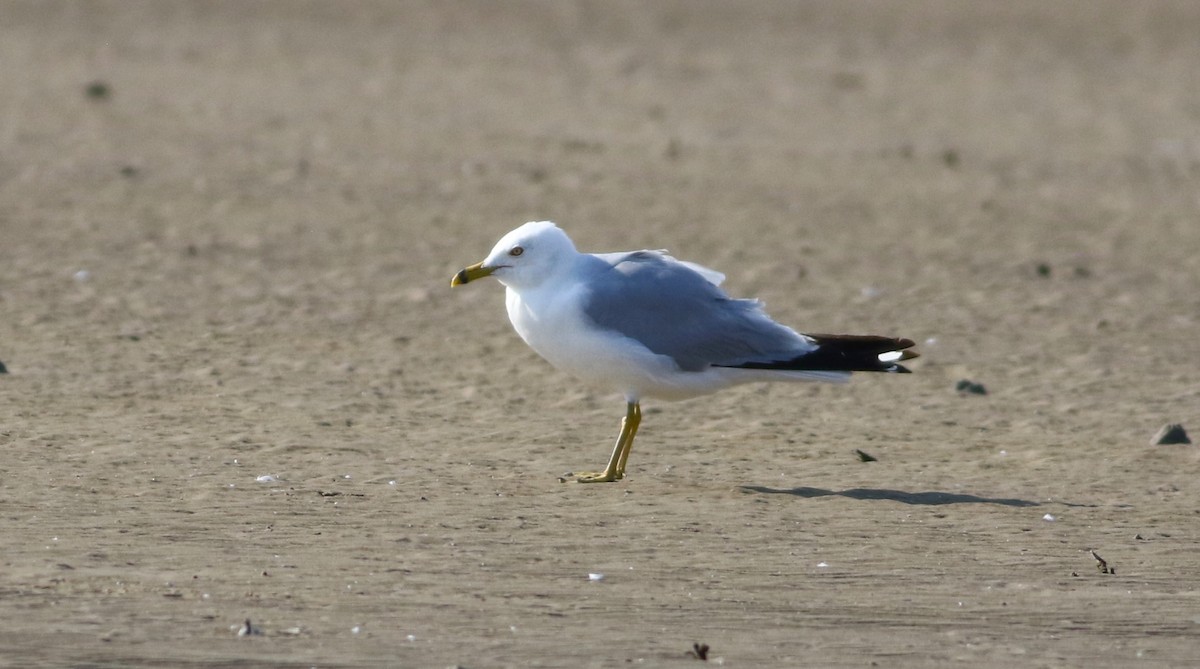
x,y
240,387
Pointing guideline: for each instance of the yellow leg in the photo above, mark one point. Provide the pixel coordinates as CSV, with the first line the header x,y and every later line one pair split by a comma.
x,y
615,471
633,416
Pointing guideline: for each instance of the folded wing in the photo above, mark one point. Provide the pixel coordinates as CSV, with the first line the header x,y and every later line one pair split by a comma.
x,y
676,311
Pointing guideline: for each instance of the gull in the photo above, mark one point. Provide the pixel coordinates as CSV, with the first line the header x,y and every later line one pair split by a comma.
x,y
648,325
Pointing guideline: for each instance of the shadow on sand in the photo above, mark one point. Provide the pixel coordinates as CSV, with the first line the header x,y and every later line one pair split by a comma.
x,y
932,498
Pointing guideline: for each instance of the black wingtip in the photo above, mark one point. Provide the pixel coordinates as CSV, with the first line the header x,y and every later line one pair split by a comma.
x,y
846,353
901,345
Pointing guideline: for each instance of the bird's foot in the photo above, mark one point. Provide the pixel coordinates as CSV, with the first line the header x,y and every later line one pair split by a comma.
x,y
592,477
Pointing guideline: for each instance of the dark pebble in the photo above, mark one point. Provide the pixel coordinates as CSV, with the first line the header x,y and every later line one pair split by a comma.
x,y
968,387
1171,433
98,90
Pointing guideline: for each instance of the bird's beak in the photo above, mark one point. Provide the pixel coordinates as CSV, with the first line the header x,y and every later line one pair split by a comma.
x,y
468,274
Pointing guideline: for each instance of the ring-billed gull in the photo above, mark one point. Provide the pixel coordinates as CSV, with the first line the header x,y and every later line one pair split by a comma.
x,y
648,325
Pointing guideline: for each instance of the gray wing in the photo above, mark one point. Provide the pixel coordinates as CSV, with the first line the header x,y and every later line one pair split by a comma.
x,y
675,311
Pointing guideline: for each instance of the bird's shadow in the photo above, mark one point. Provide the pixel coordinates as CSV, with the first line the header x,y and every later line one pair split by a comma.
x,y
929,498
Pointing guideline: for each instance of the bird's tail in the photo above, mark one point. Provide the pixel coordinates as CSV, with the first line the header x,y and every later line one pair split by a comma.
x,y
846,353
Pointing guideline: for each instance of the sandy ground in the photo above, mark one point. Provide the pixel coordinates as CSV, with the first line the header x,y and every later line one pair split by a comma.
x,y
231,260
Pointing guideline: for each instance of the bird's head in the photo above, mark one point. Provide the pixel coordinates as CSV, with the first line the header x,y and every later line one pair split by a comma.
x,y
522,258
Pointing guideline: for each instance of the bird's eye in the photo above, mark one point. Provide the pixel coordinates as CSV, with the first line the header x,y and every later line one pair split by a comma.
x,y
516,251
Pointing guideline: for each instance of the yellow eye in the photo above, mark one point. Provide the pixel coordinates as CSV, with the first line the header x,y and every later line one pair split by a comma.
x,y
516,251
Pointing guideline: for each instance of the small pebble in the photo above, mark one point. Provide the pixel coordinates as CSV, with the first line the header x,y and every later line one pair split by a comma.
x,y
1171,433
1049,518
969,387
98,90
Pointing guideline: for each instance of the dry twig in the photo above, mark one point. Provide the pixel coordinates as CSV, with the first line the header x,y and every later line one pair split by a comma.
x,y
1101,564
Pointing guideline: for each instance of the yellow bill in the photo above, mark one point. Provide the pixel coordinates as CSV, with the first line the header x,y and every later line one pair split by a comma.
x,y
468,274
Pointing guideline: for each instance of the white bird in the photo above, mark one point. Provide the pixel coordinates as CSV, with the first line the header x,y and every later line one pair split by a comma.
x,y
648,325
